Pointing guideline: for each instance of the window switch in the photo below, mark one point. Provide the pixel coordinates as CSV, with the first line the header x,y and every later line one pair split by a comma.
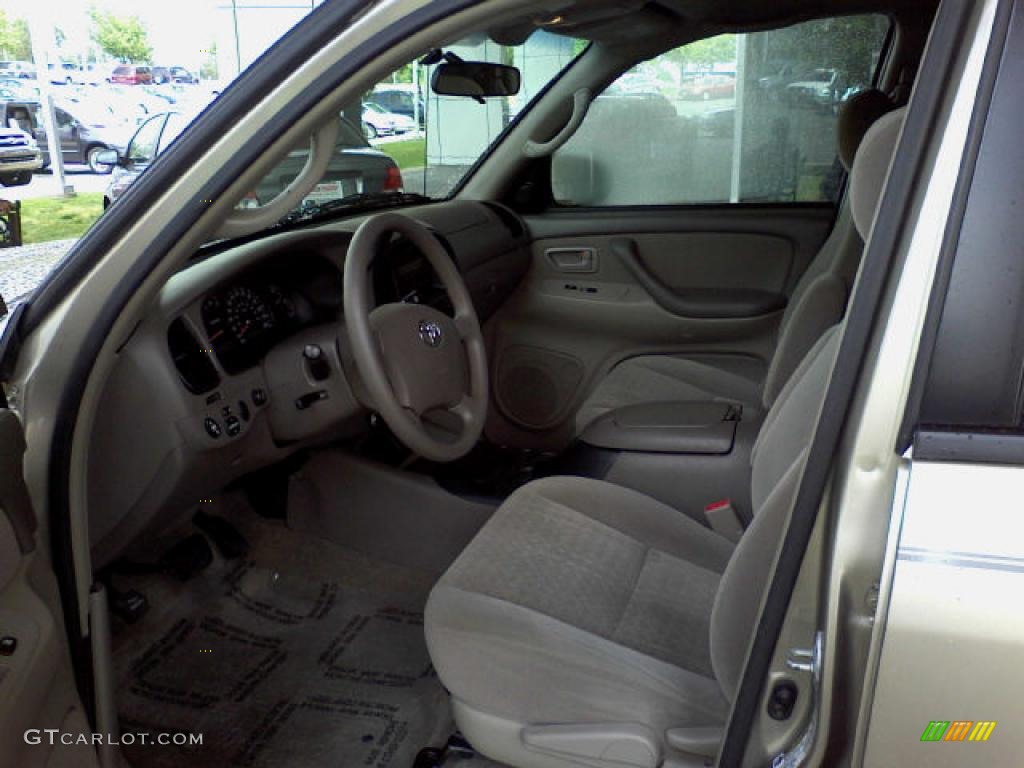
x,y
8,644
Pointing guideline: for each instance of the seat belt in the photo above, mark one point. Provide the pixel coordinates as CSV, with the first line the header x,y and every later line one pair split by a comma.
x,y
723,519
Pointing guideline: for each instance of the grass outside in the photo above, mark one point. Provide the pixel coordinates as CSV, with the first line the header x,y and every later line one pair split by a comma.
x,y
59,218
407,154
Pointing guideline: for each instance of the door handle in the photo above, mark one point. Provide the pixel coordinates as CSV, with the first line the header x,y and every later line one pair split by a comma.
x,y
575,260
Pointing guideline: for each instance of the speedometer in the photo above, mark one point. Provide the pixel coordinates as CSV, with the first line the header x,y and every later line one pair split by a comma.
x,y
247,315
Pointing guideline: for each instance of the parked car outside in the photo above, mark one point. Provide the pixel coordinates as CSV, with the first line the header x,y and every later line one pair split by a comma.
x,y
105,105
182,75
634,84
401,99
19,157
160,75
65,73
711,86
18,89
24,70
139,102
377,121
128,74
772,85
165,92
356,167
82,136
95,74
717,123
820,88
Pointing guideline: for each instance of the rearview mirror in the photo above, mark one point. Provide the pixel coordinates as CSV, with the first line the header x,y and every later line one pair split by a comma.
x,y
475,79
108,157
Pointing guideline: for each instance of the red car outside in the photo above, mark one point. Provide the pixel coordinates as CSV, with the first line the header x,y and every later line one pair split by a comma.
x,y
128,74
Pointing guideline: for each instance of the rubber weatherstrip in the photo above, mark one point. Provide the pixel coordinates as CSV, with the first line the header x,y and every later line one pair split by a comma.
x,y
927,101
317,29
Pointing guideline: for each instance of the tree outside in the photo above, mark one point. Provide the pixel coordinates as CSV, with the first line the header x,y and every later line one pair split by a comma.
x,y
208,70
14,40
704,54
849,45
121,37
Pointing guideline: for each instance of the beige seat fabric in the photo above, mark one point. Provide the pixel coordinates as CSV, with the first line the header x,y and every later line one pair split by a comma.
x,y
573,589
817,303
586,621
585,603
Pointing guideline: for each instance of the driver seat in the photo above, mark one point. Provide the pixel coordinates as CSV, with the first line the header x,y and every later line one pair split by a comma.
x,y
589,624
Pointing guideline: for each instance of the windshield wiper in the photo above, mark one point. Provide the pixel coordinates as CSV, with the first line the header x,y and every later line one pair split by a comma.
x,y
363,200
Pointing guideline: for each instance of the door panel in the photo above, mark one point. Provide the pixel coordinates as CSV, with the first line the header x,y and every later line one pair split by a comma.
x,y
37,691
606,285
703,275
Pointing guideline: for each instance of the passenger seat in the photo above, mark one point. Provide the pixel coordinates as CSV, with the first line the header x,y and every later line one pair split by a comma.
x,y
817,303
590,625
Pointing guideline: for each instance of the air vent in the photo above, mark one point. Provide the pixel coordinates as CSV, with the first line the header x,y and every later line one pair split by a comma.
x,y
512,222
193,363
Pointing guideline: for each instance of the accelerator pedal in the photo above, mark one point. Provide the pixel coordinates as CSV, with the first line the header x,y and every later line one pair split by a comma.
x,y
457,747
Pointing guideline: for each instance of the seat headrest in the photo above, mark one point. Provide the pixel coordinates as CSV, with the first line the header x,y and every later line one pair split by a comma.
x,y
856,115
871,168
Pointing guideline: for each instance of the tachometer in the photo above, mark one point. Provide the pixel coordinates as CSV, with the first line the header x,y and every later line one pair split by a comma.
x,y
247,315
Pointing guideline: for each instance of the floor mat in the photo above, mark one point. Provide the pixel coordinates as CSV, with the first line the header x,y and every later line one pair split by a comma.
x,y
278,662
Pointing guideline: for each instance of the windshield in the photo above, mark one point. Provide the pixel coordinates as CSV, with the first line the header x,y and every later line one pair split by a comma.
x,y
403,137
399,138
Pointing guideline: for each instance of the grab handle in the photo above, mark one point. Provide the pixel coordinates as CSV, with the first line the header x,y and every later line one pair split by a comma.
x,y
580,105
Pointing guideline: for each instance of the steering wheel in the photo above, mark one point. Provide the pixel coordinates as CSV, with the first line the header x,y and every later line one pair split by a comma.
x,y
413,358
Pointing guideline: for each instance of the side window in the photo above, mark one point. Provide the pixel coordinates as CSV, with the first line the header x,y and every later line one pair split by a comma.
x,y
63,118
142,148
733,118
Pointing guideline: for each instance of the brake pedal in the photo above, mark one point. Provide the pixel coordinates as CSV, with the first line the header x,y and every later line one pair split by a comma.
x,y
129,606
228,539
188,558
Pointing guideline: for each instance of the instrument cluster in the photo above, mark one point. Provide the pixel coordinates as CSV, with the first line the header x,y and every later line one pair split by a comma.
x,y
246,317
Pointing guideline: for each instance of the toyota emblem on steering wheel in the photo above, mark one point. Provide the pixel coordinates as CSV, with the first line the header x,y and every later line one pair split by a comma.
x,y
430,333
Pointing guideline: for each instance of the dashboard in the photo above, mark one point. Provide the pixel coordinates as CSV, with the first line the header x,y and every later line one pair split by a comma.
x,y
243,319
243,359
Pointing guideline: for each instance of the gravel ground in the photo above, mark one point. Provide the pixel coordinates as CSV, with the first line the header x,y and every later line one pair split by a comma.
x,y
23,268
